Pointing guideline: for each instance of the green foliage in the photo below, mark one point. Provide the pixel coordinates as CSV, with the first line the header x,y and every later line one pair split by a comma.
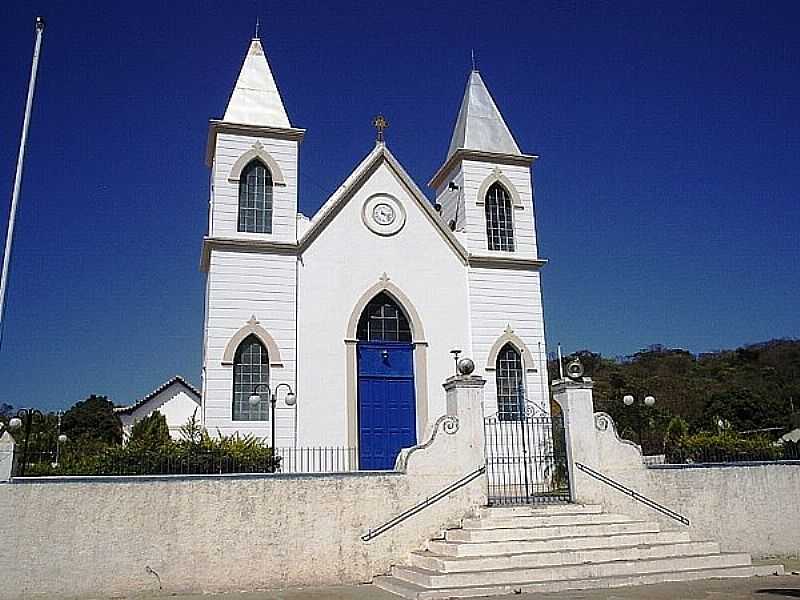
x,y
677,429
150,451
93,422
152,432
754,388
725,446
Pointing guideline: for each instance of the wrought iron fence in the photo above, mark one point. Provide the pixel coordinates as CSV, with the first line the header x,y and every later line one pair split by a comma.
x,y
526,459
116,461
725,455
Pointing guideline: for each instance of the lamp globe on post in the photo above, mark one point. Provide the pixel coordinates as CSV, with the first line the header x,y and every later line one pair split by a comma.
x,y
291,399
14,423
628,400
649,401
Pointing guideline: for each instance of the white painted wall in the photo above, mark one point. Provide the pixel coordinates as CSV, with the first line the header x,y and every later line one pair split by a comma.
x,y
175,402
338,267
240,285
97,537
501,298
225,194
470,175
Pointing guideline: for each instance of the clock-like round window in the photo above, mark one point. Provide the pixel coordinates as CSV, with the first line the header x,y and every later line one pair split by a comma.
x,y
383,214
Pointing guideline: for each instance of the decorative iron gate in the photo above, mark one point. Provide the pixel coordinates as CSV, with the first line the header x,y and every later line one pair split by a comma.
x,y
526,459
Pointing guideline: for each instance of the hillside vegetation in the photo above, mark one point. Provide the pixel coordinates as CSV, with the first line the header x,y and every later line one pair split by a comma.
x,y
753,389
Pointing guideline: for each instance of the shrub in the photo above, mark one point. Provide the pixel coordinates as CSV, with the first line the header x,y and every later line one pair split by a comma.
x,y
725,446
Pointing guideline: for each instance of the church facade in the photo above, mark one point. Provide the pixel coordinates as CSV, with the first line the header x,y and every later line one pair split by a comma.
x,y
355,311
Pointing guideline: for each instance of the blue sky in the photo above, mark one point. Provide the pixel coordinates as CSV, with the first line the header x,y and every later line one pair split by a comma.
x,y
667,191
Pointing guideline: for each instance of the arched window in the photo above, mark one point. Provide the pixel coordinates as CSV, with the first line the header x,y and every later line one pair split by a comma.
x,y
510,386
383,321
499,219
250,369
255,198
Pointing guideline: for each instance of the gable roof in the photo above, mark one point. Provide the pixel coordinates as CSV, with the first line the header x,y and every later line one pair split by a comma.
x,y
479,125
378,156
255,99
126,410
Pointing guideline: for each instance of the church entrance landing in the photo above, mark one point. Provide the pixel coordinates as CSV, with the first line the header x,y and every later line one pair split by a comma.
x,y
387,419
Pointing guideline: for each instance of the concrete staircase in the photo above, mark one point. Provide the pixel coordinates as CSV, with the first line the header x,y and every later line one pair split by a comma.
x,y
553,548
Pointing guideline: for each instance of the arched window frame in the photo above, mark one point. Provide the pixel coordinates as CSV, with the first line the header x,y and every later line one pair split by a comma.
x,y
510,384
383,319
499,214
250,370
255,207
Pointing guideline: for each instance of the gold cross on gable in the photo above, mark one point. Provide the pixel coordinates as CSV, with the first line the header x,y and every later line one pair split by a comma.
x,y
380,123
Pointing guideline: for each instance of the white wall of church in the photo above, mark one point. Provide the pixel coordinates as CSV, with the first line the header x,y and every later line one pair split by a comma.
x,y
469,175
337,269
240,285
225,193
501,298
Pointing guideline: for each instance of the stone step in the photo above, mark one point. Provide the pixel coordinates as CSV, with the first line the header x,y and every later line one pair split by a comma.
x,y
446,548
556,531
544,520
416,592
540,510
450,564
618,568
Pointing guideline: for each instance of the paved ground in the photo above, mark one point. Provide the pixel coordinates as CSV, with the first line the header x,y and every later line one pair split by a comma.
x,y
756,588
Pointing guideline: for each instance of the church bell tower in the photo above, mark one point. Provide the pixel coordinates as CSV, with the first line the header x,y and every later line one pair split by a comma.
x,y
249,255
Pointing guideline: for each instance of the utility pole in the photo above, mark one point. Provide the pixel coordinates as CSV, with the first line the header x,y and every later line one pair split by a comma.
x,y
18,177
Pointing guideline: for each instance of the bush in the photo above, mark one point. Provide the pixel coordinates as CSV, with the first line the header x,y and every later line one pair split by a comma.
x,y
152,452
725,446
151,432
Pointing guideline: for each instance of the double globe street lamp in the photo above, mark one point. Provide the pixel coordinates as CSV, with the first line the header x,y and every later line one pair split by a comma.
x,y
648,402
263,392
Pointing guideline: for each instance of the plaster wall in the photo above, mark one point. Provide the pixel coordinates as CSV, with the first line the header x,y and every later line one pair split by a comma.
x,y
105,536
745,507
336,270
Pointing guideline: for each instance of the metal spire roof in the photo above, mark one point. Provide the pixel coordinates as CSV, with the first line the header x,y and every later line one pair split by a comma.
x,y
255,99
480,126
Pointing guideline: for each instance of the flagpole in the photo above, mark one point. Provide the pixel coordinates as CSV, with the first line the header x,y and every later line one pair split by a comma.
x,y
18,177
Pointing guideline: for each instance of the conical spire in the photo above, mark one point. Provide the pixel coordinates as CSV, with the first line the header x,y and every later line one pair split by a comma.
x,y
480,126
255,99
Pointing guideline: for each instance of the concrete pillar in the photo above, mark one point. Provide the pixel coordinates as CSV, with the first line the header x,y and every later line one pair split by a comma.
x,y
464,396
6,456
575,399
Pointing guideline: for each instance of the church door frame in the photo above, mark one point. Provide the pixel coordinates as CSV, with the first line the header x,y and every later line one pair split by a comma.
x,y
420,358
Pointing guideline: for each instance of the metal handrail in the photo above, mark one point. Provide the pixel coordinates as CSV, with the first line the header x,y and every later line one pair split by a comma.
x,y
373,533
633,494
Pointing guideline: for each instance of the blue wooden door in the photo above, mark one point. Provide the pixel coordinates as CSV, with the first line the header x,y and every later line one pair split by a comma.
x,y
387,416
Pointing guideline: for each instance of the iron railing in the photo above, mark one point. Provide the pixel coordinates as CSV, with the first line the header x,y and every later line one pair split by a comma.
x,y
394,521
117,462
727,455
526,459
633,494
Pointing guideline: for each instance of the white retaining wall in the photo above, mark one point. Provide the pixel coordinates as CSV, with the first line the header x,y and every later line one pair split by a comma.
x,y
105,537
745,507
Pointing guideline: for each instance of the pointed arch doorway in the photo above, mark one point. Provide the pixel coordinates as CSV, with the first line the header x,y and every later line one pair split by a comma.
x,y
387,419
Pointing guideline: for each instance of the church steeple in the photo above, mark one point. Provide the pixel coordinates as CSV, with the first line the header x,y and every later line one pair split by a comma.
x,y
480,126
255,99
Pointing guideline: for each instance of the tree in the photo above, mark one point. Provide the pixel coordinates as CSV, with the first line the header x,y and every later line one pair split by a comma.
x,y
152,432
93,421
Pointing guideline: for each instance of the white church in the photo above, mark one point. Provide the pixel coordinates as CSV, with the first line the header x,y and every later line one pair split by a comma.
x,y
352,314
